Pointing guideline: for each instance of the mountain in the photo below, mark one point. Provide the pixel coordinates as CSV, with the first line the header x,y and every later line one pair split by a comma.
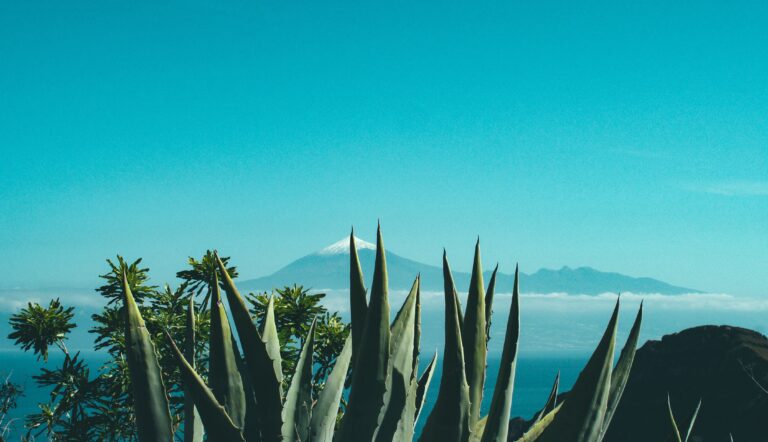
x,y
328,269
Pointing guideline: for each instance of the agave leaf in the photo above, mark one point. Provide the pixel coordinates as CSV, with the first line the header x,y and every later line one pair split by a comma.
x,y
423,387
153,417
417,334
327,408
297,409
272,340
620,374
489,302
551,400
581,416
357,302
497,425
449,419
215,418
675,433
459,310
193,426
473,337
260,366
370,374
251,431
693,421
399,379
478,430
534,433
224,375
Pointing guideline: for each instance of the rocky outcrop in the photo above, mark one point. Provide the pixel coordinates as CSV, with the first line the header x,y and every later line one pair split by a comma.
x,y
714,363
726,367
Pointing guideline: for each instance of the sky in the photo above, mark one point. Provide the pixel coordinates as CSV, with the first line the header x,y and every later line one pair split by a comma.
x,y
625,136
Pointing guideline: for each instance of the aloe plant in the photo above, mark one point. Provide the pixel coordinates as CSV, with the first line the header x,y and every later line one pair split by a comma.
x,y
243,399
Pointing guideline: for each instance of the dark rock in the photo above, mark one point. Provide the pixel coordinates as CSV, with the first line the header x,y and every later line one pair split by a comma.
x,y
721,365
713,363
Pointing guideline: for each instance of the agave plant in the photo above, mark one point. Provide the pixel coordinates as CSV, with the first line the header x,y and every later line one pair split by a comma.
x,y
243,398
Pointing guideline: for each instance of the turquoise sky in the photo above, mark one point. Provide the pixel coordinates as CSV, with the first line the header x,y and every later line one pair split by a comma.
x,y
627,136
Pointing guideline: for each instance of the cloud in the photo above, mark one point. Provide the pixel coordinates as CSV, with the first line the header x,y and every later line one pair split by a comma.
x,y
338,300
11,300
733,188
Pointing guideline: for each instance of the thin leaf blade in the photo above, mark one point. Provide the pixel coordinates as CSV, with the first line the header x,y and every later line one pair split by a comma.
x,y
260,366
473,337
369,376
450,418
497,425
581,416
224,375
213,415
327,408
193,426
297,408
153,417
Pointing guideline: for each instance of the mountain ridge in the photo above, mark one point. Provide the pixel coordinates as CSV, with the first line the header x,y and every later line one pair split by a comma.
x,y
328,269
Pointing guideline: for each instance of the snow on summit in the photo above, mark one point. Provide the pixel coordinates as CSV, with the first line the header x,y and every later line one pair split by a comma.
x,y
342,247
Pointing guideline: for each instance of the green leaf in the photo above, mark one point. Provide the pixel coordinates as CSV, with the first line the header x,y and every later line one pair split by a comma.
x,y
224,375
551,400
260,365
153,417
251,430
417,333
396,417
357,303
297,409
473,337
423,387
449,419
675,433
497,424
478,429
369,375
581,416
534,433
692,422
489,302
272,340
215,418
327,408
193,426
620,373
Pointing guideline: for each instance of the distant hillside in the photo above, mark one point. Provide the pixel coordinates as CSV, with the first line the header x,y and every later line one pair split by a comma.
x,y
329,269
719,365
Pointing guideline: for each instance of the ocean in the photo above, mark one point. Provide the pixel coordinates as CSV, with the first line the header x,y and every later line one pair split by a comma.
x,y
533,381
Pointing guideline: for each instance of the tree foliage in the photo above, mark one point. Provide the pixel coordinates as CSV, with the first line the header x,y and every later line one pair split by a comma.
x,y
99,406
295,308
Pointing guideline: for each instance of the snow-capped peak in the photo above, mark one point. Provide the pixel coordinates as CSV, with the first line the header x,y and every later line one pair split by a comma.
x,y
342,247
